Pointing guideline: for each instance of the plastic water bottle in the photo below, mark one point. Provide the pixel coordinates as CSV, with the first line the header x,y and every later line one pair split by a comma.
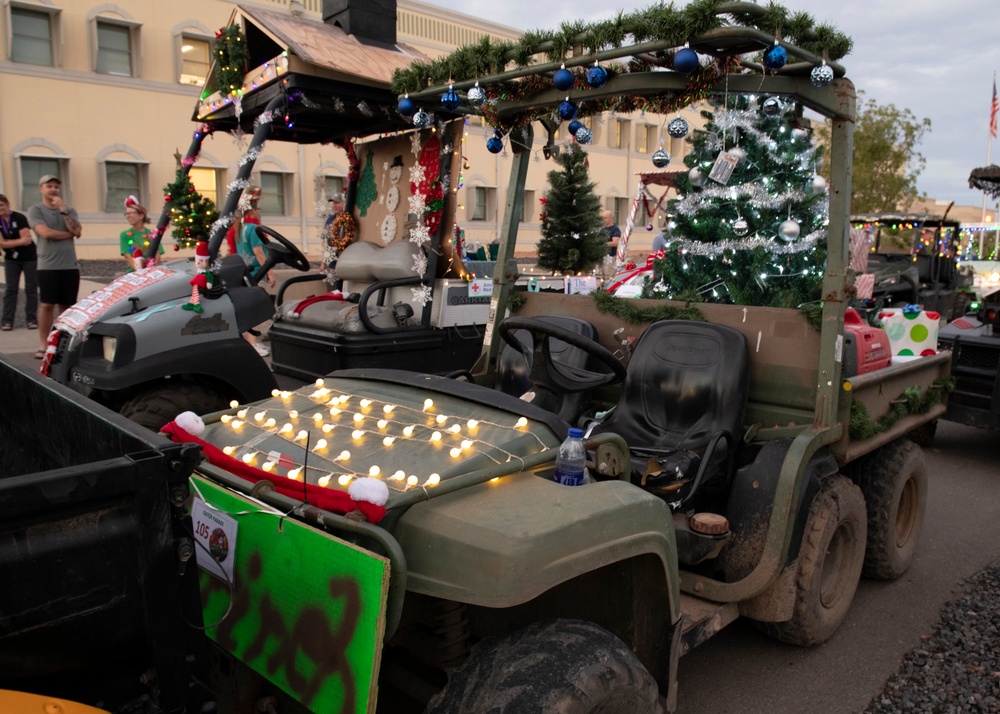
x,y
572,460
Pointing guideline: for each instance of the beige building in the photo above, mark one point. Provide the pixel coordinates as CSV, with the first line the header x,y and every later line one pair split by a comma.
x,y
102,95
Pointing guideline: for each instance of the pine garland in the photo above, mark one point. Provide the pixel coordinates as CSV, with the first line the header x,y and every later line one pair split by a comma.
x,y
626,310
911,401
657,22
232,55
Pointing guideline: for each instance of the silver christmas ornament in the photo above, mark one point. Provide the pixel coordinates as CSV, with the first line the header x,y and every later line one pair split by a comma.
x,y
649,226
584,135
421,119
697,177
739,153
476,96
677,128
771,107
741,227
789,230
816,185
821,76
660,158
799,134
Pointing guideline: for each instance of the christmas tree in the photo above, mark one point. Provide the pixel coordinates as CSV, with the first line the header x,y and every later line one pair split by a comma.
x,y
573,240
758,235
191,213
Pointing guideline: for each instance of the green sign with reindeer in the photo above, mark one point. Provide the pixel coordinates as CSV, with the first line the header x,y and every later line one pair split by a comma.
x,y
299,606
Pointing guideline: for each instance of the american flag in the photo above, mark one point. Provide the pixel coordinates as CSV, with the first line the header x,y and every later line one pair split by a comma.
x,y
994,106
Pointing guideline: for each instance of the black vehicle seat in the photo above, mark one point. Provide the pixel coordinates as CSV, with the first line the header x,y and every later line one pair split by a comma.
x,y
681,407
251,304
513,368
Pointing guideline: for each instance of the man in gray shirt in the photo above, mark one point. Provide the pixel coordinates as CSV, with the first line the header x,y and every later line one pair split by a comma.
x,y
56,225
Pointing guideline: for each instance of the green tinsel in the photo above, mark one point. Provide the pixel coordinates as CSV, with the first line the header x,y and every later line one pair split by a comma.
x,y
911,401
657,22
516,301
626,310
231,57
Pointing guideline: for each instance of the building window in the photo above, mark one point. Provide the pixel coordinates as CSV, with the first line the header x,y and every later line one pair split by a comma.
x,y
618,136
114,48
620,209
332,185
272,193
31,36
482,203
647,138
32,169
122,180
195,54
527,207
206,182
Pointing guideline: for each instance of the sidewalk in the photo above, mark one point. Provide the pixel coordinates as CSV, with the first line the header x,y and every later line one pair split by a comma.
x,y
19,344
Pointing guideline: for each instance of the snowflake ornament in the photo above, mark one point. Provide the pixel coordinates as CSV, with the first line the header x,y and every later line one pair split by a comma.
x,y
421,295
415,146
419,263
418,204
420,234
417,174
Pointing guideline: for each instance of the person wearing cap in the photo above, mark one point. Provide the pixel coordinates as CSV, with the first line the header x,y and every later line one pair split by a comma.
x,y
56,226
136,236
336,208
20,257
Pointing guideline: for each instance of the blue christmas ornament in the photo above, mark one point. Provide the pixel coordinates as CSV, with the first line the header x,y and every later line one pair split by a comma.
x,y
450,100
775,57
678,128
597,76
406,107
494,145
686,61
421,119
563,79
584,135
821,76
567,110
575,126
476,96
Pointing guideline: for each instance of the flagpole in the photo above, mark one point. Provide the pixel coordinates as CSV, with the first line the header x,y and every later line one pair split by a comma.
x,y
989,138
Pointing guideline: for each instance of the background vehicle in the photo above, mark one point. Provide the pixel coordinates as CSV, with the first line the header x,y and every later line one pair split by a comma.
x,y
974,341
735,486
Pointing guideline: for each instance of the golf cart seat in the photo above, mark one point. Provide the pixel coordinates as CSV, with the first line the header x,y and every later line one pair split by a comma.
x,y
681,408
514,369
251,303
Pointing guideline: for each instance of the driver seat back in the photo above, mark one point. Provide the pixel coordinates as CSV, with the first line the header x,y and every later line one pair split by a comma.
x,y
682,405
514,369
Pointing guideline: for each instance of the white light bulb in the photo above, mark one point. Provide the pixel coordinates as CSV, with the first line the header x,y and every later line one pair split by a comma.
x,y
388,408
285,429
436,436
365,403
454,428
466,445
259,416
387,441
411,482
472,423
344,479
248,458
357,434
295,473
324,481
320,382
374,471
522,422
441,418
228,450
226,418
433,480
233,404
242,413
321,444
270,423
268,466
428,403
327,428
408,430
293,414
455,452
382,423
359,417
343,455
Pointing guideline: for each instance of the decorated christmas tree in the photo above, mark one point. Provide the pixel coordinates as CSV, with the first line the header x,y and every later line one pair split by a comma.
x,y
191,214
749,226
573,240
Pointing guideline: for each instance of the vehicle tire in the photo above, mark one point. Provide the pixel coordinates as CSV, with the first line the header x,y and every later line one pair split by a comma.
x,y
829,565
894,483
162,403
550,667
923,436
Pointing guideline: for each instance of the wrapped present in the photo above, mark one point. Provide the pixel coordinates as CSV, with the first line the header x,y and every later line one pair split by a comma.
x,y
911,331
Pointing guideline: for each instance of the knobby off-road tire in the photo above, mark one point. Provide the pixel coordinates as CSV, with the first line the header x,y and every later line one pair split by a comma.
x,y
894,483
829,567
161,404
550,667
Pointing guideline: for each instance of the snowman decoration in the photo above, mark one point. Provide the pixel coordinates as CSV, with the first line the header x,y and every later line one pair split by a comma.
x,y
390,223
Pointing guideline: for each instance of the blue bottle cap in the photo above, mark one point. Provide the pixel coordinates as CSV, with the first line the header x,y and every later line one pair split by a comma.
x,y
575,433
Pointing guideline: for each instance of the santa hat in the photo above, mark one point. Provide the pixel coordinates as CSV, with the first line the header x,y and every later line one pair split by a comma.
x,y
201,250
254,197
131,201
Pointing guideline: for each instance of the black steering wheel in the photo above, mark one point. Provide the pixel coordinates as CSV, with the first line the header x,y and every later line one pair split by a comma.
x,y
555,376
283,249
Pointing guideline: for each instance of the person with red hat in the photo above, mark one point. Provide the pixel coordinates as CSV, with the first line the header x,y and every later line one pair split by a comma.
x,y
137,235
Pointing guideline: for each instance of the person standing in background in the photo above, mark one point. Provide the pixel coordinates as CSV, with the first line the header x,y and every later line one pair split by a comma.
x,y
613,231
20,257
136,236
56,226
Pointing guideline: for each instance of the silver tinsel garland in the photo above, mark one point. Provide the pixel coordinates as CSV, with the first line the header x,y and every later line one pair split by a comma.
x,y
755,194
694,247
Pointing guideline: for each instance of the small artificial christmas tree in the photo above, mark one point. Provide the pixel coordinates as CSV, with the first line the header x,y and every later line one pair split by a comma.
x,y
757,237
191,213
573,240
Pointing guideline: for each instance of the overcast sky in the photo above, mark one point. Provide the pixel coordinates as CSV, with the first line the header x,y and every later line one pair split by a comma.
x,y
934,58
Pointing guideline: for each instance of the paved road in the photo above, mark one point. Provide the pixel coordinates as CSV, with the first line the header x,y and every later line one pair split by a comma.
x,y
741,670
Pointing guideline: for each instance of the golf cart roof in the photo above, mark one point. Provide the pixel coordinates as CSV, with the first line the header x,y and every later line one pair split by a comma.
x,y
335,84
986,179
915,219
